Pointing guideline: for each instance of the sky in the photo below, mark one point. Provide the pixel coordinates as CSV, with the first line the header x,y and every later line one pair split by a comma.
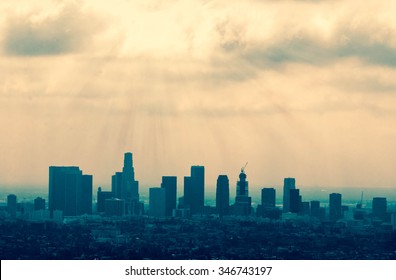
x,y
302,89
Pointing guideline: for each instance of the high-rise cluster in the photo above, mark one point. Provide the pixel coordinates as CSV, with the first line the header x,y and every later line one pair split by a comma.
x,y
70,192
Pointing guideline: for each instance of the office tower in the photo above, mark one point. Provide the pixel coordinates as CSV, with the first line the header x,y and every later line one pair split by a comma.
x,y
188,193
169,183
124,186
39,203
101,199
85,204
268,196
295,201
335,207
288,184
116,184
380,208
194,190
305,208
243,203
315,209
12,205
114,207
198,185
222,195
157,205
69,190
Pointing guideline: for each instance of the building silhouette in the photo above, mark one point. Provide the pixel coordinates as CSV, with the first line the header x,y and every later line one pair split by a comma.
x,y
305,208
243,203
157,202
288,184
85,203
12,205
116,184
335,207
222,195
294,201
267,208
379,208
194,190
169,183
69,191
124,186
39,203
101,200
268,197
114,207
315,209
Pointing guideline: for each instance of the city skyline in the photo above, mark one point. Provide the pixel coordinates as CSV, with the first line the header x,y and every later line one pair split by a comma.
x,y
300,89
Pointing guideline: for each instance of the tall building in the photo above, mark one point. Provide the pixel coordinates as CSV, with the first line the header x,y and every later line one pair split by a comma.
x,y
85,203
12,205
243,202
124,186
157,205
379,208
101,200
188,194
315,209
69,191
169,183
268,197
114,207
295,201
305,208
222,195
288,184
39,203
116,184
335,207
194,190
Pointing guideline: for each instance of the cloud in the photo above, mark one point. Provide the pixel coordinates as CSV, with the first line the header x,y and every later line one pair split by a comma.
x,y
313,35
66,30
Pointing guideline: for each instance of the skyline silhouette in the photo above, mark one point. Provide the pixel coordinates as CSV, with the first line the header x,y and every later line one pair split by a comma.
x,y
120,225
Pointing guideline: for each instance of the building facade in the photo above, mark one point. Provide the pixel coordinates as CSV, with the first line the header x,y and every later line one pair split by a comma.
x,y
169,183
288,184
222,195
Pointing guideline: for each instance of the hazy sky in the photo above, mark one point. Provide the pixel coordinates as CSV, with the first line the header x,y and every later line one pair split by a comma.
x,y
303,89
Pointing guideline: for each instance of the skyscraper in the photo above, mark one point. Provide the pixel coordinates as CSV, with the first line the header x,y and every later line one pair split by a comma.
x,y
295,200
188,193
69,190
85,203
288,184
243,203
380,208
39,203
169,183
101,200
114,207
124,186
157,205
268,196
335,207
194,190
222,195
315,209
12,205
116,184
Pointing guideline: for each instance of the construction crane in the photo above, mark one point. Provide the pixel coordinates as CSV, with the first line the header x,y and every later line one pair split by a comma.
x,y
359,213
359,205
243,168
